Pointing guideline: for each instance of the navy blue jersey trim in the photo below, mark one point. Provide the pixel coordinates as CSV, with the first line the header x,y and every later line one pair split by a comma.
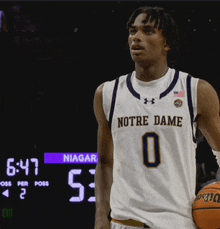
x,y
172,85
113,102
130,87
137,95
190,105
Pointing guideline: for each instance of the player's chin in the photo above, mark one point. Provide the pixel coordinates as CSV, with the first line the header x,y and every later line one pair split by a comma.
x,y
137,57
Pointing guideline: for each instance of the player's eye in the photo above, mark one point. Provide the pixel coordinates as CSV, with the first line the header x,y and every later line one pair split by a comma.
x,y
149,30
132,31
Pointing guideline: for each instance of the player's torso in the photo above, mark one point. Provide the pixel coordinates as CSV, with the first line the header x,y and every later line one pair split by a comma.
x,y
147,121
153,145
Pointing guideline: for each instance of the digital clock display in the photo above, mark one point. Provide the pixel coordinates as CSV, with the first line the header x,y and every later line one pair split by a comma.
x,y
11,169
58,184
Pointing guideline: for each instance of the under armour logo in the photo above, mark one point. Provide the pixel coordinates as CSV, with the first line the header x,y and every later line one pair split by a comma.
x,y
146,101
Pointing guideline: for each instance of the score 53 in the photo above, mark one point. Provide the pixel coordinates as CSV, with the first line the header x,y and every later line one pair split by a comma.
x,y
81,188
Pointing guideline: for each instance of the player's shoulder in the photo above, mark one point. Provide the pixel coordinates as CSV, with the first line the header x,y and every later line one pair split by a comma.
x,y
121,78
109,85
208,100
184,75
207,96
203,85
205,89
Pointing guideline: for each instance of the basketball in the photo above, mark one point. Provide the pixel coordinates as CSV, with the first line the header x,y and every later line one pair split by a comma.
x,y
206,207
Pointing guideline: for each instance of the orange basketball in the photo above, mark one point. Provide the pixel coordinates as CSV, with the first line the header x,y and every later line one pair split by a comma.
x,y
206,207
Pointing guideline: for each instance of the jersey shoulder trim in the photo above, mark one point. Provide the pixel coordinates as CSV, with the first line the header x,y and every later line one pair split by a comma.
x,y
113,101
172,85
130,87
109,96
190,103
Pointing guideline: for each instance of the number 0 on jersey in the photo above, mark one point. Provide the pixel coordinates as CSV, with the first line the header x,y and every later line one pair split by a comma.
x,y
151,150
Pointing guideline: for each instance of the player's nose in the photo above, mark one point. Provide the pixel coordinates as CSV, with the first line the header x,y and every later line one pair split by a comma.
x,y
137,36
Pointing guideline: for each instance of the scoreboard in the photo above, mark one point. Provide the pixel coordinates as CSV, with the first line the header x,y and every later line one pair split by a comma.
x,y
55,188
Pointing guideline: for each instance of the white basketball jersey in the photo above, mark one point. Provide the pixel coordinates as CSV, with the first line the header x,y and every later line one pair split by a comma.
x,y
153,129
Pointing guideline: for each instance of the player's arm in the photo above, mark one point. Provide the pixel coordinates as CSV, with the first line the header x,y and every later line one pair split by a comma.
x,y
208,115
103,175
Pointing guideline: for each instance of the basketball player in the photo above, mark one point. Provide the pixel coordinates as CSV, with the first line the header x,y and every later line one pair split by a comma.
x,y
146,174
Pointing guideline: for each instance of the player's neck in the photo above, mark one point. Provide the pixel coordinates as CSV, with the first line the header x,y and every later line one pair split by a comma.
x,y
150,73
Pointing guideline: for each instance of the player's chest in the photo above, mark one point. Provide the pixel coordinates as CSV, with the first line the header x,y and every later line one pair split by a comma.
x,y
127,104
170,111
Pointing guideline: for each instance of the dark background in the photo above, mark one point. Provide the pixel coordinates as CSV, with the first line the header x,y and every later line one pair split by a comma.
x,y
53,57
60,52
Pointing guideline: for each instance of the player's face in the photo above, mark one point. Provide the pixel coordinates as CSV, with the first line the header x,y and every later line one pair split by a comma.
x,y
147,44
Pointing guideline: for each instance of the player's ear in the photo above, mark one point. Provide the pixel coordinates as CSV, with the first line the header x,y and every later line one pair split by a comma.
x,y
167,47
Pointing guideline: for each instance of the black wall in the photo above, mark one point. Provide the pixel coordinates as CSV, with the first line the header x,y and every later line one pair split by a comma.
x,y
55,54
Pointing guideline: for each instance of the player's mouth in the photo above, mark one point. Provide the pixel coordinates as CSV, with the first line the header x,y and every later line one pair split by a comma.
x,y
136,49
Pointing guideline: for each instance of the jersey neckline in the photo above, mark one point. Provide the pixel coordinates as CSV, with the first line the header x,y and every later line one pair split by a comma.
x,y
163,94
